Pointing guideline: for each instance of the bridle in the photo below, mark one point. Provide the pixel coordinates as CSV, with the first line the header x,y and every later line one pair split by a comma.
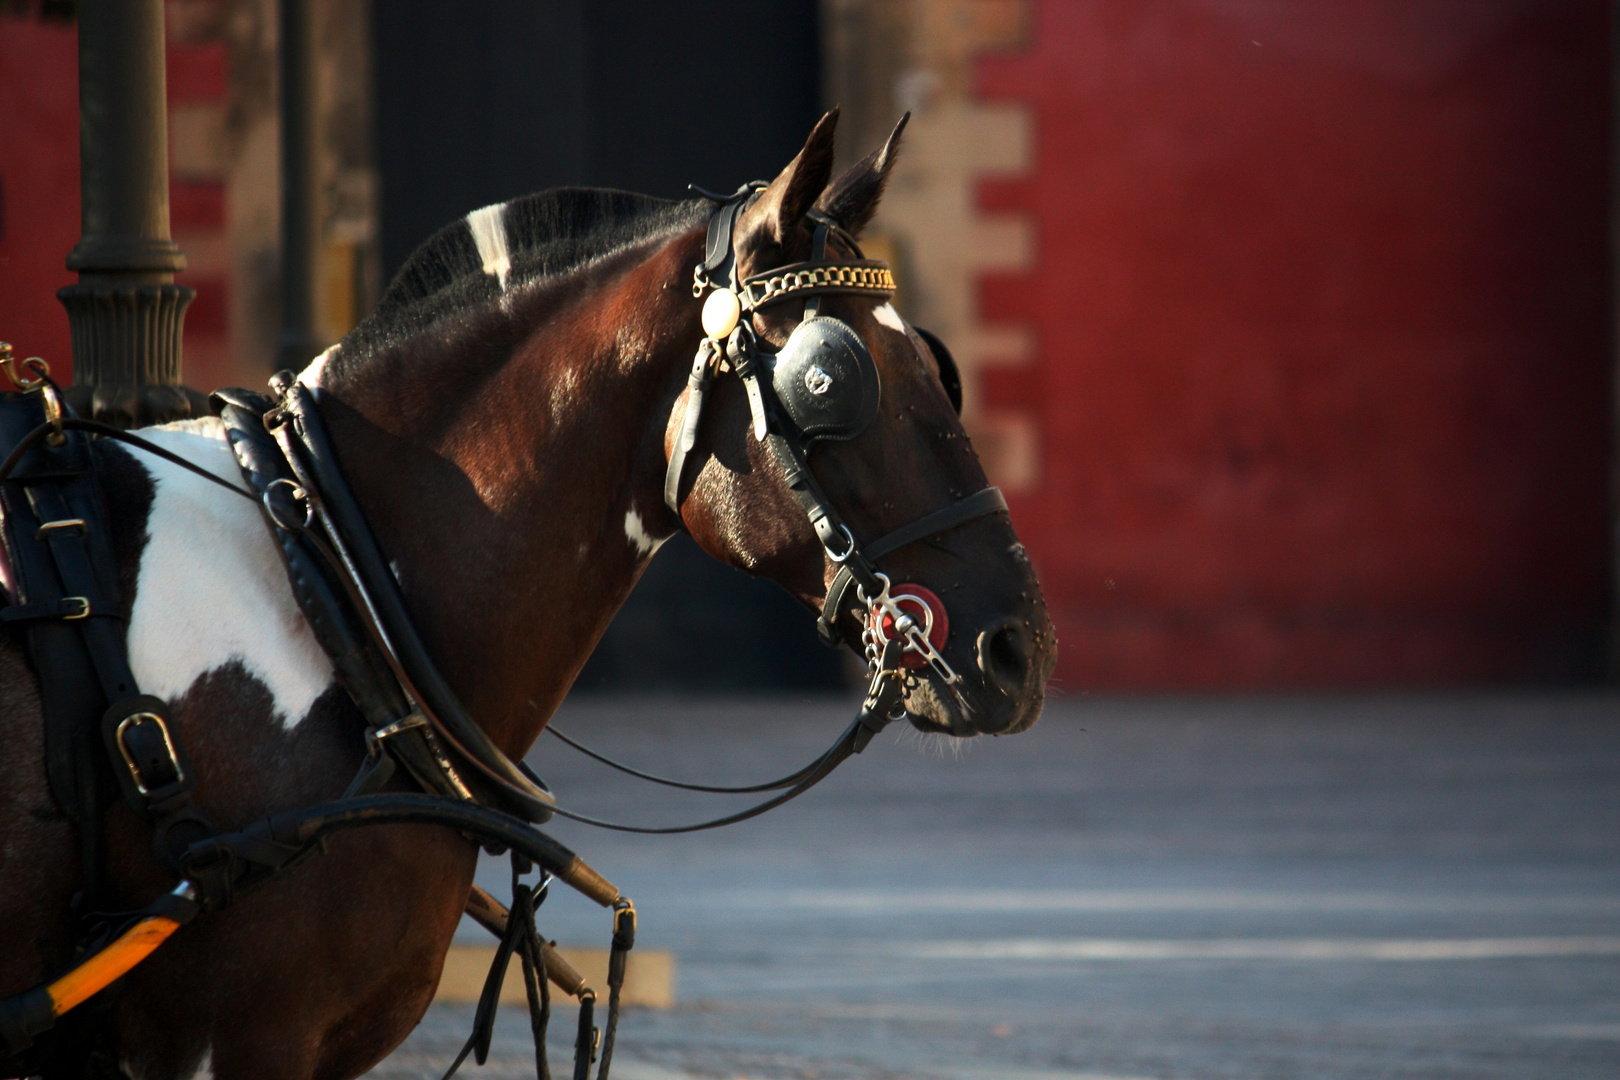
x,y
822,384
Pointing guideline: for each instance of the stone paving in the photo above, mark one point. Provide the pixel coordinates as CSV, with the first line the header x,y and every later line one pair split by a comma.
x,y
1200,888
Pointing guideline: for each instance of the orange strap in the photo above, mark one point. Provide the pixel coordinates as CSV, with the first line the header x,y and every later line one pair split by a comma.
x,y
102,969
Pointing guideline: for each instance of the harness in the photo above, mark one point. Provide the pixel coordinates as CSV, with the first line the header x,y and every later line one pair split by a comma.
x,y
104,737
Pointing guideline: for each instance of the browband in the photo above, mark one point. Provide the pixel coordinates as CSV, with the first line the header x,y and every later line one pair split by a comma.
x,y
864,277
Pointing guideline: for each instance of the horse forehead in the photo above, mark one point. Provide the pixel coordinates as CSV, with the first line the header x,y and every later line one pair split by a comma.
x,y
210,589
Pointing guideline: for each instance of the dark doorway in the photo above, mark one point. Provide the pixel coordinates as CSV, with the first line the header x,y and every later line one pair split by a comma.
x,y
479,103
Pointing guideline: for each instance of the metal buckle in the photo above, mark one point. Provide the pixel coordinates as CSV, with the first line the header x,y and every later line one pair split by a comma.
x,y
297,494
129,759
52,526
850,550
80,612
376,736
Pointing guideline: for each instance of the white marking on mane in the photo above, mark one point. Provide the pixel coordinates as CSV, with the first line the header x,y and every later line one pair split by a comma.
x,y
885,314
489,233
311,375
211,588
643,541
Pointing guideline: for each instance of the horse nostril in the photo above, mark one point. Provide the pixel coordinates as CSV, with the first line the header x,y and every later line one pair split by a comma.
x,y
1003,658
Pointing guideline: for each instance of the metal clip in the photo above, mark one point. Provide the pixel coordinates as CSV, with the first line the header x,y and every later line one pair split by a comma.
x,y
624,910
53,414
18,370
80,611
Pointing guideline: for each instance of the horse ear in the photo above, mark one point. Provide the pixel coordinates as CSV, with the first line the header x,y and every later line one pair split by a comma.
x,y
782,206
853,197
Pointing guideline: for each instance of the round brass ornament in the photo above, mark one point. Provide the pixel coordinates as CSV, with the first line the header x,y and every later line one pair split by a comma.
x,y
721,311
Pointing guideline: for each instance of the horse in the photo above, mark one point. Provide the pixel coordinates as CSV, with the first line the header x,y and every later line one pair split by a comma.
x,y
505,417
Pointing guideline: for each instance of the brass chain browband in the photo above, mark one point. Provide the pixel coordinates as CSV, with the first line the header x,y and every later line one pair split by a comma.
x,y
865,277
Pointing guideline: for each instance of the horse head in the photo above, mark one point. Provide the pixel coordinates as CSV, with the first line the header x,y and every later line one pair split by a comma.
x,y
836,385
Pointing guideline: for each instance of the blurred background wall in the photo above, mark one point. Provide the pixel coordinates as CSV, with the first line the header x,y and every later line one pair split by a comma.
x,y
1286,326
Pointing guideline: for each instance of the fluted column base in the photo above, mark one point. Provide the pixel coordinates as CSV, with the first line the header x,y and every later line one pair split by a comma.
x,y
126,353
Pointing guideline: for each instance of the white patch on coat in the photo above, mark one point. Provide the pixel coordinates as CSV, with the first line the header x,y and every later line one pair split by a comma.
x,y
211,588
489,233
643,541
885,314
205,1067
203,1071
311,375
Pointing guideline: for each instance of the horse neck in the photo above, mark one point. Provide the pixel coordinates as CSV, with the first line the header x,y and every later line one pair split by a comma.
x,y
514,476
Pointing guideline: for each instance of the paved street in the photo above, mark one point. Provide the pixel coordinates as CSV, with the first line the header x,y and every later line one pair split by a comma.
x,y
1200,888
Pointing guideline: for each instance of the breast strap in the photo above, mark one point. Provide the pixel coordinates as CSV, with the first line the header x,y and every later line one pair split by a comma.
x,y
344,586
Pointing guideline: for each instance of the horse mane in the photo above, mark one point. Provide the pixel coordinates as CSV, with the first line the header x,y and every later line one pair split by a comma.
x,y
547,235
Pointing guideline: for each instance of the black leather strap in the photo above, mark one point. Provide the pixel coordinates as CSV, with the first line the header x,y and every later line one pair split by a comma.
x,y
719,263
697,384
67,609
301,436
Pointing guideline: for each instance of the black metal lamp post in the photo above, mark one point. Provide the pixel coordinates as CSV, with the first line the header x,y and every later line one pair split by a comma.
x,y
126,311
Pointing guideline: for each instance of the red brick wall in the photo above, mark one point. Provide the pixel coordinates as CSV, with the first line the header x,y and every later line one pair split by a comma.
x,y
1320,307
39,184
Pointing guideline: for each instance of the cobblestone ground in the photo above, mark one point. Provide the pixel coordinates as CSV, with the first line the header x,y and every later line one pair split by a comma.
x,y
1422,887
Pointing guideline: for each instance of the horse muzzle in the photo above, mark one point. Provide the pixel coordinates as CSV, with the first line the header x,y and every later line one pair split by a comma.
x,y
1002,683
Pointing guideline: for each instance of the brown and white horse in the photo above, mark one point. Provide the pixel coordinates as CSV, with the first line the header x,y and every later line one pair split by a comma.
x,y
504,419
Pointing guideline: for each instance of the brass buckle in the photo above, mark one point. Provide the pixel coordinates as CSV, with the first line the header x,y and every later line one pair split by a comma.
x,y
81,612
53,412
51,526
376,736
129,759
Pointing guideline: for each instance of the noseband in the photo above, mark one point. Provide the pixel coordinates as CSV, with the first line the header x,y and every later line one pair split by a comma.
x,y
821,385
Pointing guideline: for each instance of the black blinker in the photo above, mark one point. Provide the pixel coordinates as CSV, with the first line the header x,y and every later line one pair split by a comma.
x,y
948,375
825,380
